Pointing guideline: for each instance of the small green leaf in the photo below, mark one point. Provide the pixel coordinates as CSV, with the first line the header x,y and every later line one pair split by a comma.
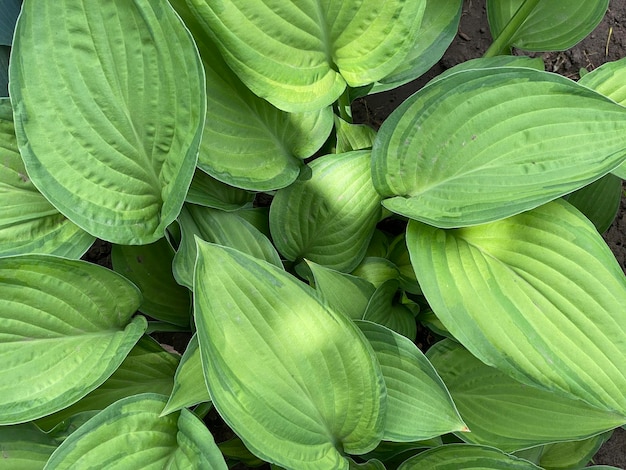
x,y
504,413
377,271
131,434
353,136
599,201
573,454
330,218
419,406
443,155
539,296
384,310
127,92
150,268
267,388
66,328
209,192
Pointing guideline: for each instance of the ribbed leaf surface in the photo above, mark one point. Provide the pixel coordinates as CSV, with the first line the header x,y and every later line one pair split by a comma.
x,y
268,388
454,153
109,106
25,447
467,457
539,296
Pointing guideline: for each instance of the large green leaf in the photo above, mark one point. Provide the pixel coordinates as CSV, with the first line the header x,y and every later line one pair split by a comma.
x,y
465,456
296,381
481,145
539,296
147,368
131,434
329,218
110,133
66,327
504,413
418,405
150,268
28,222
300,56
550,25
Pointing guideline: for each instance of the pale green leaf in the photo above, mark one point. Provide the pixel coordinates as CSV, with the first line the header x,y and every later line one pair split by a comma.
x,y
66,327
267,388
25,447
223,228
539,296
573,454
28,222
301,56
485,144
150,268
384,309
209,192
189,387
110,133
377,271
467,457
419,406
399,256
599,201
147,368
329,218
130,434
551,26
353,136
369,465
504,413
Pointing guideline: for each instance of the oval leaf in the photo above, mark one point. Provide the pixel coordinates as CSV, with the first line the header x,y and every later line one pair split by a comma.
x,y
130,434
267,388
301,56
66,327
443,155
128,94
539,296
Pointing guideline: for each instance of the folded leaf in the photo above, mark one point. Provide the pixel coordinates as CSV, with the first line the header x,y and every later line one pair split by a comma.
x,y
481,145
109,107
539,296
268,387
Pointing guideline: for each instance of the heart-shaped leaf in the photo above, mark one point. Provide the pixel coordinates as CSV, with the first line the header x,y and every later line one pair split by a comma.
x,y
539,296
454,153
547,26
128,99
467,457
131,434
66,327
329,218
28,222
267,388
301,56
504,413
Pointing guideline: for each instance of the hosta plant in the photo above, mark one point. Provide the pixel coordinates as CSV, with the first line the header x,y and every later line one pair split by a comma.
x,y
303,257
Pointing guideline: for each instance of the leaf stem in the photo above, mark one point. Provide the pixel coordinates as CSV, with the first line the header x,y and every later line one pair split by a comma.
x,y
503,41
154,326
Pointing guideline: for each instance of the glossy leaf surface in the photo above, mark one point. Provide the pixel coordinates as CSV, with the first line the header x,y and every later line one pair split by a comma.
x,y
267,388
127,96
454,153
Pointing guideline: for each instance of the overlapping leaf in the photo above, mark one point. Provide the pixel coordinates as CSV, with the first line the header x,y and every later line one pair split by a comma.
x,y
301,56
66,327
573,454
467,457
599,201
539,296
209,192
131,434
267,388
25,446
110,133
454,153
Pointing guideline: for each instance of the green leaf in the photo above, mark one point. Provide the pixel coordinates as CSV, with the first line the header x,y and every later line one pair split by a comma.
x,y
353,136
539,296
25,447
189,387
377,271
130,434
329,218
443,155
399,256
209,192
9,11
301,57
465,456
267,388
147,368
369,465
419,406
66,327
150,268
383,310
223,228
127,91
504,413
551,26
599,201
573,454
28,222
